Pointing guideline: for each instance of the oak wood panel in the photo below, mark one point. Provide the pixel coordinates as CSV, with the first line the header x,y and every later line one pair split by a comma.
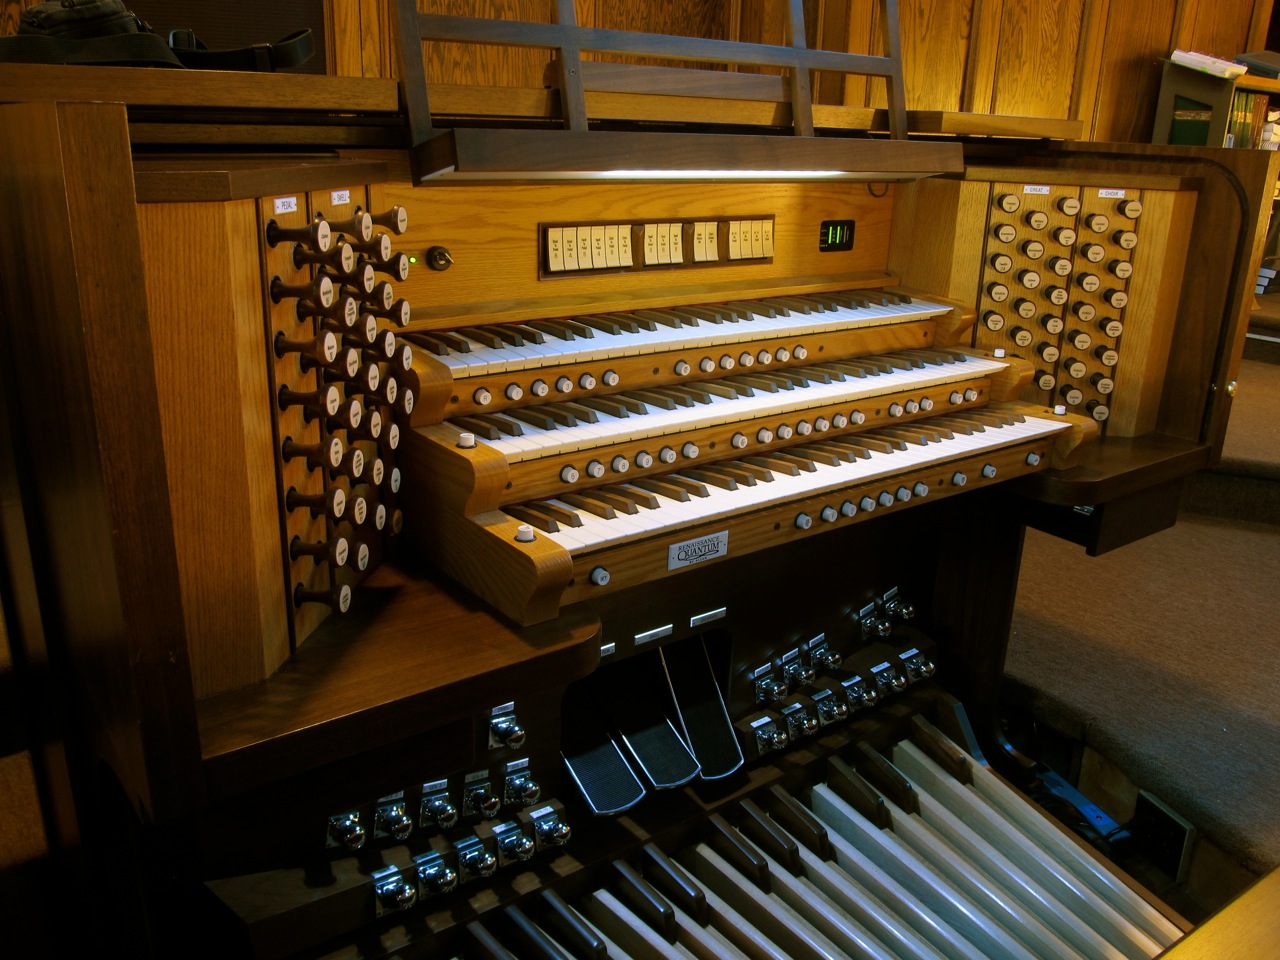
x,y
217,434
1037,57
1247,927
1218,29
492,231
100,490
983,59
410,656
938,237
1155,290
1138,35
1085,88
496,66
143,86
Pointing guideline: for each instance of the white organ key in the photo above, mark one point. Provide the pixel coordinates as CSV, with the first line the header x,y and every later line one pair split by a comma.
x,y
1028,854
769,914
1049,839
811,903
723,410
616,921
477,362
865,907
918,877
921,917
737,930
597,532
1033,896
972,879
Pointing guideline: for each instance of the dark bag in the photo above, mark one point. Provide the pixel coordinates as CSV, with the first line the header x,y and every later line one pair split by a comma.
x,y
104,32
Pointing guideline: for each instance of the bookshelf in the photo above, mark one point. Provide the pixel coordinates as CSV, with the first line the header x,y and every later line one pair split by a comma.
x,y
1218,102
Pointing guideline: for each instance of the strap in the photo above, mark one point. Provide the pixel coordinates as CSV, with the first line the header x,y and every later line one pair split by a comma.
x,y
292,50
124,49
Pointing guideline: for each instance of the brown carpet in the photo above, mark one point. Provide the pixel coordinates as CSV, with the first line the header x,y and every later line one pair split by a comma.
x,y
1165,655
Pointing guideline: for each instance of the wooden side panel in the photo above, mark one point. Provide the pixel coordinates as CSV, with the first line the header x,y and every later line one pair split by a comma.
x,y
108,570
937,237
1219,29
215,403
1158,264
487,66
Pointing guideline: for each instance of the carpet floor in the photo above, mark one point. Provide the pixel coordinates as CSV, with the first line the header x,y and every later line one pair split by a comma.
x,y
1164,655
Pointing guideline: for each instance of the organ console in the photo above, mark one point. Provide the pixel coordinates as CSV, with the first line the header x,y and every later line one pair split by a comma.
x,y
610,555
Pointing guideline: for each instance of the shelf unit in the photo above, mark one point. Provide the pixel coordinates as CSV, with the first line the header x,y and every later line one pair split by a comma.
x,y
1217,93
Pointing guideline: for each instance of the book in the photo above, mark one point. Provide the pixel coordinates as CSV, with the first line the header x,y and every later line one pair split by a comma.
x,y
1207,64
1261,63
1190,123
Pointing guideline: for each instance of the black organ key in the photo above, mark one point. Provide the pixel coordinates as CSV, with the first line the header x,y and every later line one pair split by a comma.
x,y
559,413
751,469
787,457
650,398
660,317
612,406
749,310
646,901
818,455
689,484
530,333
634,494
726,469
582,412
785,305
602,323
696,317
892,442
846,451
534,417
534,944
429,342
486,431
714,478
593,505
503,423
526,514
758,382
644,323
572,930
557,513
774,463
725,390
662,487
619,503
486,336
553,328
877,444
678,394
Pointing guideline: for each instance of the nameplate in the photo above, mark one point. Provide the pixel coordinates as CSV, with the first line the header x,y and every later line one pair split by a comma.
x,y
688,552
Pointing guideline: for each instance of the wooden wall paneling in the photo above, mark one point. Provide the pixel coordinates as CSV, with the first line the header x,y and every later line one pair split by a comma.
x,y
983,56
860,21
935,44
1089,52
1038,43
360,38
485,65
709,19
108,571
217,434
1218,29
1138,35
1259,26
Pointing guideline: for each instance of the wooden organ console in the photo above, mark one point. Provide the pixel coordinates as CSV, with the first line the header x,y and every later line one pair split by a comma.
x,y
497,601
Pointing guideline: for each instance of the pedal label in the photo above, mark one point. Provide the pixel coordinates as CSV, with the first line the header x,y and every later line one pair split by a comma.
x,y
688,552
